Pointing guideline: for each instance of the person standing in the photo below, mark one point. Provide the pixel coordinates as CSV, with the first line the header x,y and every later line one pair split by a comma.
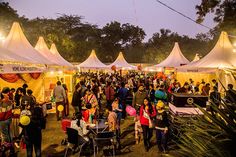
x,y
147,112
215,99
6,106
206,89
138,98
110,93
151,93
33,132
60,97
122,94
162,124
76,98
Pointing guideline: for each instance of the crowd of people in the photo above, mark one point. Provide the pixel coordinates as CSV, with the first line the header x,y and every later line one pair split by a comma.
x,y
148,95
15,104
103,96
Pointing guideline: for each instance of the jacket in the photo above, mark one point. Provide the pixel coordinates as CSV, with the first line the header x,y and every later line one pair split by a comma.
x,y
144,120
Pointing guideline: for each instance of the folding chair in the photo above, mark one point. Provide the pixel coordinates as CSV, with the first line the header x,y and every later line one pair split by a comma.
x,y
75,139
103,139
65,123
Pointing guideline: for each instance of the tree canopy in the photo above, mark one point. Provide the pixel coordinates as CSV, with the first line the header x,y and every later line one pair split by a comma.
x,y
75,39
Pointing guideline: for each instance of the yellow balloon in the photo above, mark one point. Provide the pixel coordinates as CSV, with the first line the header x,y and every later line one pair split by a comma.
x,y
160,105
60,108
25,120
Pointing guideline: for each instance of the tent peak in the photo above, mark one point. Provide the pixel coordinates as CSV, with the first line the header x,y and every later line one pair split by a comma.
x,y
41,44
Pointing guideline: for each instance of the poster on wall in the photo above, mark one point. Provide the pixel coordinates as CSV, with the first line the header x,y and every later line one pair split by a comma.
x,y
13,68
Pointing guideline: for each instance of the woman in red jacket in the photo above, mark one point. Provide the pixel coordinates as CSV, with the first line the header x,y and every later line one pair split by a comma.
x,y
147,112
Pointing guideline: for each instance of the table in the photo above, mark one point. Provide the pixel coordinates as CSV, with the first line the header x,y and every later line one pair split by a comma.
x,y
100,126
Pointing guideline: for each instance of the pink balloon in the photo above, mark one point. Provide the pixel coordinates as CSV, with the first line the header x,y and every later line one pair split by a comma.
x,y
130,110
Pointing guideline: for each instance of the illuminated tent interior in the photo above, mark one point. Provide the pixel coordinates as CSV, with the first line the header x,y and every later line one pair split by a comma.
x,y
216,64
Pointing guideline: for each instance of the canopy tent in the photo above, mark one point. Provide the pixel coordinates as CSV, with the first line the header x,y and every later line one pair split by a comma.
x,y
13,63
92,62
175,59
121,63
220,57
56,54
42,48
20,46
7,56
196,58
217,63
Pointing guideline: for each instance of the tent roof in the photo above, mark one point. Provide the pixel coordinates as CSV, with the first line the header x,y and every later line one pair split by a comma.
x,y
175,58
19,45
42,48
62,61
92,62
196,58
7,56
120,62
221,56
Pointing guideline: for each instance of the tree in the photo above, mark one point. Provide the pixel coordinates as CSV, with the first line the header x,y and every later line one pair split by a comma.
x,y
225,13
7,16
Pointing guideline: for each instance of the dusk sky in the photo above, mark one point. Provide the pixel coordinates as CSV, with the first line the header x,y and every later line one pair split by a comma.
x,y
148,14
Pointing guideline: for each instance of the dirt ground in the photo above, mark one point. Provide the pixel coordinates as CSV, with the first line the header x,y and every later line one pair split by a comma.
x,y
53,134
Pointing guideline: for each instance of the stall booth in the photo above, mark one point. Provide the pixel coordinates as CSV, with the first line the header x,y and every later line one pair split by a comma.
x,y
219,64
33,66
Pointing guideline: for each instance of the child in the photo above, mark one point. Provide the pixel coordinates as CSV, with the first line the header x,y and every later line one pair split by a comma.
x,y
138,129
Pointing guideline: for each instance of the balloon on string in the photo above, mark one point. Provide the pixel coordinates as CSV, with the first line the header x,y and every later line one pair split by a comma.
x,y
25,120
130,110
60,108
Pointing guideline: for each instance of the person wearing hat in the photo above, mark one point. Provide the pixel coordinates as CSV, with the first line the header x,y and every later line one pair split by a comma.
x,y
161,127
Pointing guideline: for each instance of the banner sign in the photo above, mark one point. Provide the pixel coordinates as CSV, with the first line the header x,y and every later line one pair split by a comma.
x,y
11,68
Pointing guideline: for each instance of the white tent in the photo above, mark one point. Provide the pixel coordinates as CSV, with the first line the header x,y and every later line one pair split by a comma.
x,y
121,63
19,45
196,58
175,59
217,63
92,62
220,57
7,56
61,60
42,48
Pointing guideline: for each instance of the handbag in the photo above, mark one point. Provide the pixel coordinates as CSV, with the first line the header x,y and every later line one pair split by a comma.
x,y
151,123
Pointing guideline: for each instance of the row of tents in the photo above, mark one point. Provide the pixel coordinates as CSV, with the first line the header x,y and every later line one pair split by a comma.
x,y
17,55
222,56
16,51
